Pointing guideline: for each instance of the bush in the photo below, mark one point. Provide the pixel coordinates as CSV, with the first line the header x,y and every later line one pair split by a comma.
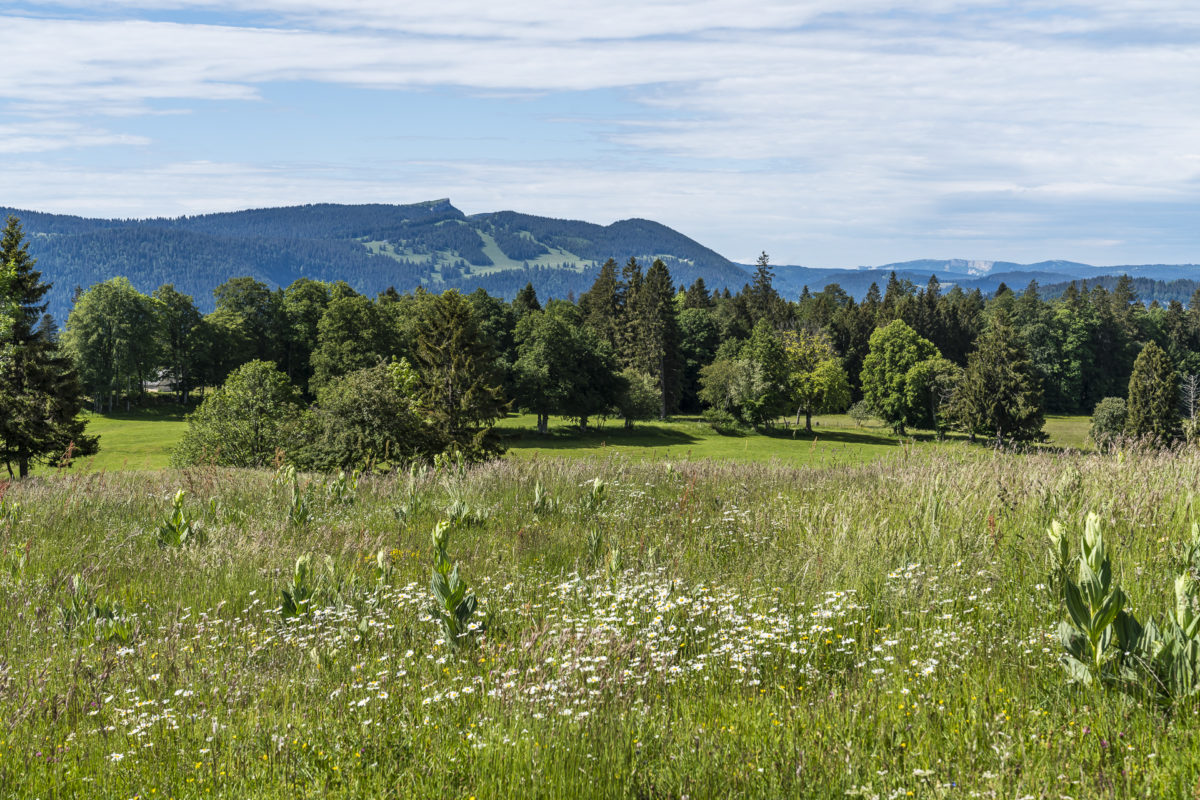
x,y
1108,421
369,418
245,422
725,423
860,412
641,399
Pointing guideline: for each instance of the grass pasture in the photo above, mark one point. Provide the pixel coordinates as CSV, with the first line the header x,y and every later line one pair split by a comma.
x,y
708,629
835,441
142,439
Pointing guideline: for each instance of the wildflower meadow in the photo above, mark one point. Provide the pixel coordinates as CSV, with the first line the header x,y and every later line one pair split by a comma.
x,y
596,627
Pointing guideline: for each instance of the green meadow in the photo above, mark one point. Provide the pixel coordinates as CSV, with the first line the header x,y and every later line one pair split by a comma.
x,y
142,438
641,628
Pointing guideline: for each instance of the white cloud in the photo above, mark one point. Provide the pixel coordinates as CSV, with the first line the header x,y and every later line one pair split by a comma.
x,y
833,121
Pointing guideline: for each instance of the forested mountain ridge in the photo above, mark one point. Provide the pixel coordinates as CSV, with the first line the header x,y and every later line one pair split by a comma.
x,y
433,244
370,247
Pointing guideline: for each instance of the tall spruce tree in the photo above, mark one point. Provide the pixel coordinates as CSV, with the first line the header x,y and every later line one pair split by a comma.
x,y
526,301
601,305
458,388
999,394
654,338
40,398
761,298
1153,404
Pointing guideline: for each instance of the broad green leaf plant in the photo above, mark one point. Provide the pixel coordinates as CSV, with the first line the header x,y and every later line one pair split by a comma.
x,y
454,604
1104,644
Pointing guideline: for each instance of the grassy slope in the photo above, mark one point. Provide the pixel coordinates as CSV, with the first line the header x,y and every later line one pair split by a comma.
x,y
877,630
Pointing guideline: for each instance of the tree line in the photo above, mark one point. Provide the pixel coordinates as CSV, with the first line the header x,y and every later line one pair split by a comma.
x,y
634,345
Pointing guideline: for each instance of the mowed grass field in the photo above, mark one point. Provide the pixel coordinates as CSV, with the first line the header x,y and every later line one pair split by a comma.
x,y
697,628
139,439
142,439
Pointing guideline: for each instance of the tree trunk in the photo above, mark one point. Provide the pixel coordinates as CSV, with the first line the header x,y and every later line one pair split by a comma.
x,y
808,420
629,423
543,424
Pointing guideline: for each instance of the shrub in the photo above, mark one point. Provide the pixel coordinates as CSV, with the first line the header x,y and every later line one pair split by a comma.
x,y
1108,421
860,412
641,398
370,418
244,422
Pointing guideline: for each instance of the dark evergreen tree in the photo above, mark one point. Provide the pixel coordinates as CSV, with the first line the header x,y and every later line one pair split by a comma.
x,y
458,388
696,295
654,334
1153,401
40,397
601,305
526,301
998,394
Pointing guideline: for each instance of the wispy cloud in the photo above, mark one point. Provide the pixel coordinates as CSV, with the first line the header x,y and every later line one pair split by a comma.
x,y
814,127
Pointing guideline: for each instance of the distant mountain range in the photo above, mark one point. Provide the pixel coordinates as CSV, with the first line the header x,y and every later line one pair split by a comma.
x,y
434,244
1164,281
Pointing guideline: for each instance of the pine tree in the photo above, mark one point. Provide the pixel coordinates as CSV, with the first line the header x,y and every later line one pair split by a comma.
x,y
601,305
762,299
696,295
526,300
458,387
653,344
40,398
999,394
628,297
1153,409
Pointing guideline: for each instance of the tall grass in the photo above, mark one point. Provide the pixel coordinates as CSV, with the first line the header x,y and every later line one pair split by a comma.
x,y
701,629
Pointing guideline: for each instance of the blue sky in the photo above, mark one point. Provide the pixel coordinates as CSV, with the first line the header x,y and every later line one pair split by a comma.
x,y
828,133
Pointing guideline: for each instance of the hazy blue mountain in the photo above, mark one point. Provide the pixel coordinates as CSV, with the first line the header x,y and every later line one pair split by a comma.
x,y
983,275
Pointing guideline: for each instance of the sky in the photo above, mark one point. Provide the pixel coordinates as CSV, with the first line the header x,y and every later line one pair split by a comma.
x,y
829,133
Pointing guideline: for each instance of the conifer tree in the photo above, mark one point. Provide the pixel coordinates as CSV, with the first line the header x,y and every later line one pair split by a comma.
x,y
601,305
654,338
526,301
458,389
696,295
999,394
40,397
762,299
1153,409
628,298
